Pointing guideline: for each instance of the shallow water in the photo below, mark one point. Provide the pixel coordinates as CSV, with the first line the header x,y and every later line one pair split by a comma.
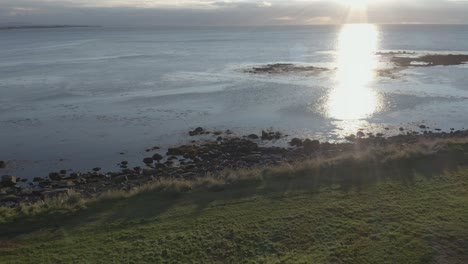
x,y
77,98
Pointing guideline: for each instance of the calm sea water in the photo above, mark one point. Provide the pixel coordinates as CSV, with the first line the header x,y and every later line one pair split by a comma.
x,y
76,98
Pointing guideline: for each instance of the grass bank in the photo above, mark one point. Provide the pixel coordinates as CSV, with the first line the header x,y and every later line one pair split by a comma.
x,y
399,204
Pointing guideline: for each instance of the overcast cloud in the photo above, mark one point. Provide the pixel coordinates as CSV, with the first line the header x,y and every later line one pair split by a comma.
x,y
234,12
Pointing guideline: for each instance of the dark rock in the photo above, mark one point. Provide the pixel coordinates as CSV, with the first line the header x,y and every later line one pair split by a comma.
x,y
63,172
402,129
360,134
311,145
55,176
296,142
197,131
124,162
8,181
96,169
44,183
149,172
422,127
2,164
277,135
219,139
148,161
217,133
175,151
64,184
95,176
266,136
190,167
157,157
120,179
160,166
253,136
74,175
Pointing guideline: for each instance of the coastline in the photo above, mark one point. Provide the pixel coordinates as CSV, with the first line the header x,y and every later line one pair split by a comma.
x,y
211,158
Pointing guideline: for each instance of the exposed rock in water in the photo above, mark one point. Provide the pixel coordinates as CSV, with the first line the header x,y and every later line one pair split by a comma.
x,y
271,135
392,53
431,60
253,136
148,160
281,68
157,157
197,131
2,164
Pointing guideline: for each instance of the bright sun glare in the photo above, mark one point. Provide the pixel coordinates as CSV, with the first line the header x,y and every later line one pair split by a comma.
x,y
353,97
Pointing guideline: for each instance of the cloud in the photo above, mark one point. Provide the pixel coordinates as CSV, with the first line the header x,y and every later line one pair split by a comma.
x,y
233,12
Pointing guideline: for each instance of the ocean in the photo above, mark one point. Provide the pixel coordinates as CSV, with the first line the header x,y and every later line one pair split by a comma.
x,y
78,98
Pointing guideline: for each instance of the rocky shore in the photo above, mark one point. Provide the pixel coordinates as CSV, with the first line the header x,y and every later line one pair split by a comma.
x,y
201,158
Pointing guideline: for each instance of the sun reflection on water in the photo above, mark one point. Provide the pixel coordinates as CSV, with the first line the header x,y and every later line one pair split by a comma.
x,y
353,97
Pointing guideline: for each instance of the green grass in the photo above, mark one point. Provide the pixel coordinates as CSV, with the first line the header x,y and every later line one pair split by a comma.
x,y
351,210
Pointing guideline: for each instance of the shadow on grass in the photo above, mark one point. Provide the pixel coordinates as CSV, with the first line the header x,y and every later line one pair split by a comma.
x,y
350,173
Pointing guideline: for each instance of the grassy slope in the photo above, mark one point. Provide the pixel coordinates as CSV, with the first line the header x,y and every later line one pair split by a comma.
x,y
420,220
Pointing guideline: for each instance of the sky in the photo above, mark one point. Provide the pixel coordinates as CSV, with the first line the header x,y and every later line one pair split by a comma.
x,y
232,12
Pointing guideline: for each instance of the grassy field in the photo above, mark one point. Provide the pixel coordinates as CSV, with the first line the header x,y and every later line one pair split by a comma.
x,y
409,208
